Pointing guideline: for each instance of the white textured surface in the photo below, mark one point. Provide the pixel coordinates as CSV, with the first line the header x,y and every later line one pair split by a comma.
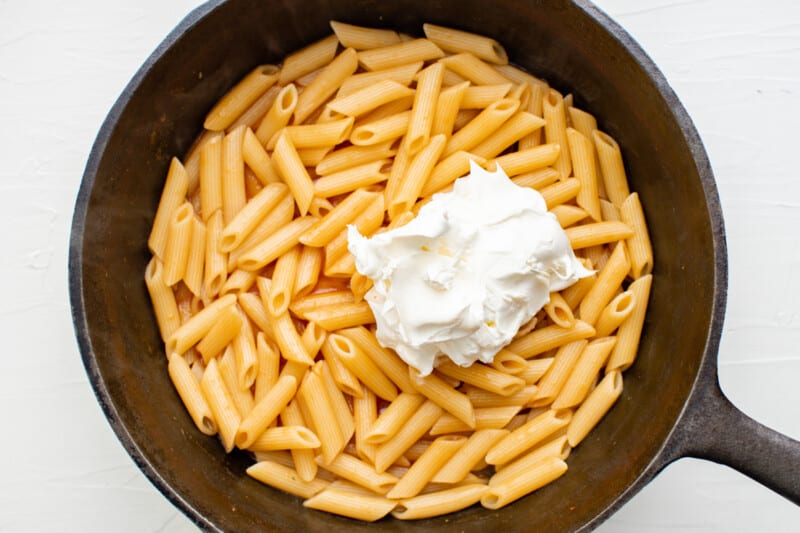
x,y
734,64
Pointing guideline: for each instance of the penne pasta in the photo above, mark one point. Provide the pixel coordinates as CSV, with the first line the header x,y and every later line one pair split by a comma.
x,y
360,506
393,417
584,373
630,331
615,313
608,282
287,437
216,268
163,299
276,244
581,152
422,471
517,75
278,115
449,102
269,359
240,97
350,179
342,316
549,337
238,281
278,217
365,412
426,96
250,215
482,376
362,367
529,434
568,215
469,67
640,250
481,96
485,418
316,300
312,337
353,156
224,330
398,54
394,368
512,130
385,129
314,397
196,327
467,456
443,395
344,378
308,59
448,170
285,478
265,411
596,233
192,396
456,41
251,117
545,471
482,126
221,404
309,265
211,177
481,398
362,38
525,161
594,407
509,362
555,130
419,423
361,473
257,160
535,369
557,447
282,286
402,74
319,135
325,229
369,98
179,239
417,174
320,207
172,197
341,409
233,189
559,311
440,502
538,179
558,372
293,173
612,168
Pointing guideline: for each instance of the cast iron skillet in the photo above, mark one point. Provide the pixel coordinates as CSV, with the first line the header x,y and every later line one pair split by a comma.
x,y
672,405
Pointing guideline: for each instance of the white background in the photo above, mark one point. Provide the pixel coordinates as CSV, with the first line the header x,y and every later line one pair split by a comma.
x,y
735,66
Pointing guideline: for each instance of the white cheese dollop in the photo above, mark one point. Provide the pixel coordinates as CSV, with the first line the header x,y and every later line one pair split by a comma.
x,y
462,277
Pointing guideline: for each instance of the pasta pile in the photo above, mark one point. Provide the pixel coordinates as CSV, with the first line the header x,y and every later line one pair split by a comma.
x,y
270,344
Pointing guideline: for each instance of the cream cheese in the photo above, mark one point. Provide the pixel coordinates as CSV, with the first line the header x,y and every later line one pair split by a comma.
x,y
462,277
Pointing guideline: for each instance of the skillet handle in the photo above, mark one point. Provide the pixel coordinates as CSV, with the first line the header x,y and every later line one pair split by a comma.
x,y
713,428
